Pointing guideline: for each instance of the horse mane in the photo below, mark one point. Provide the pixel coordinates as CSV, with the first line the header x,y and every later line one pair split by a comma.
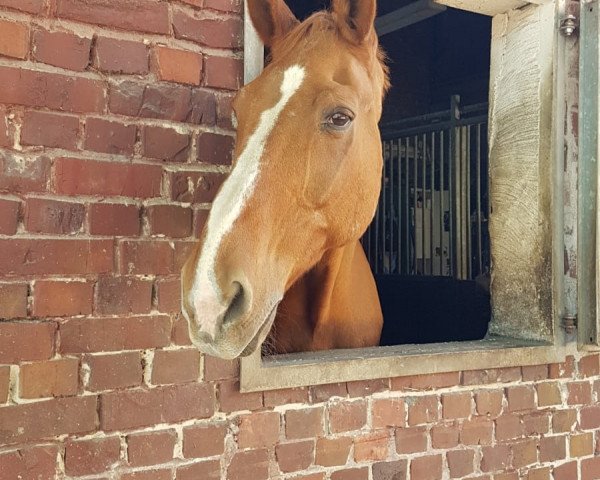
x,y
322,22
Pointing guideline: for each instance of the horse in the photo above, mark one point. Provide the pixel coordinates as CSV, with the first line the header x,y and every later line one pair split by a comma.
x,y
280,257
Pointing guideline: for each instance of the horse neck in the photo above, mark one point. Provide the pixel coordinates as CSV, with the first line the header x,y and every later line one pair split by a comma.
x,y
318,312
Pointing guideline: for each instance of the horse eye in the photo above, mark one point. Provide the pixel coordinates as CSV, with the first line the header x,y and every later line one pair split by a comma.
x,y
339,120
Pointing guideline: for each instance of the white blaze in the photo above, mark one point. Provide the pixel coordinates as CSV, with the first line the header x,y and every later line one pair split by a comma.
x,y
205,295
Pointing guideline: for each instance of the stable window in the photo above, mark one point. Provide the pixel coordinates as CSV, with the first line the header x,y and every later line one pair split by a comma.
x,y
467,193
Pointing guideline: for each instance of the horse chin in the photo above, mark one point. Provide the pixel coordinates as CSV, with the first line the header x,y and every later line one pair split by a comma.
x,y
260,335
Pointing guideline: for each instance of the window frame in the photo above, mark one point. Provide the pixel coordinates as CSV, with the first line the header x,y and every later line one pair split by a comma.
x,y
497,351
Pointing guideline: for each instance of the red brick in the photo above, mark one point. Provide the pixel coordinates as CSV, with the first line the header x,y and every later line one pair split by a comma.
x,y
54,378
590,417
259,429
347,416
50,130
87,335
553,448
224,5
153,474
411,440
151,448
218,369
175,366
565,420
304,423
444,436
170,220
456,405
114,219
109,137
365,388
460,463
178,66
30,6
371,447
121,295
590,468
26,341
423,410
562,370
351,474
581,445
6,129
180,334
292,457
13,300
589,366
491,375
168,291
524,453
146,257
120,56
163,101
252,464
62,49
579,393
548,394
38,462
566,471
137,15
390,470
476,431
108,372
332,451
14,39
538,474
508,427
33,88
201,441
231,399
536,423
53,216
274,398
224,120
217,33
388,412
520,398
495,458
210,470
426,382
140,408
223,72
50,418
87,457
62,298
165,144
19,174
426,468
183,250
86,177
489,402
4,383
534,373
214,148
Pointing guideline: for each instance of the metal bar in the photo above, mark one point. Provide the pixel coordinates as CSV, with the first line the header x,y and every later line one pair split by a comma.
x,y
407,207
442,190
399,262
388,134
392,213
478,199
453,151
415,185
432,202
468,205
463,202
423,200
383,217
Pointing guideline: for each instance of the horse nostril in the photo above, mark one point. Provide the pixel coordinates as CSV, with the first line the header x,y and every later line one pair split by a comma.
x,y
236,306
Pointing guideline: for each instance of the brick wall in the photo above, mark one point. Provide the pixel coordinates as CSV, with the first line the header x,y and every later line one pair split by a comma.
x,y
114,136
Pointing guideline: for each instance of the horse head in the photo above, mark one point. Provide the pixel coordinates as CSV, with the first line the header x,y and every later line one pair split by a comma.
x,y
306,176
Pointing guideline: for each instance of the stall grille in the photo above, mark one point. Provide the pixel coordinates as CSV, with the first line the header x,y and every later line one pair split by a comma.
x,y
432,215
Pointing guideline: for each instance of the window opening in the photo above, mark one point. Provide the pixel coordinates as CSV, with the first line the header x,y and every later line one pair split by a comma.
x,y
428,244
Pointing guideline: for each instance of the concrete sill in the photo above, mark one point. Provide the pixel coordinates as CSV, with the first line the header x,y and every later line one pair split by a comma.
x,y
315,368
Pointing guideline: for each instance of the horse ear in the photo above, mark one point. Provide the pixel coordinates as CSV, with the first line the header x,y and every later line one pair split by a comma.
x,y
272,19
355,18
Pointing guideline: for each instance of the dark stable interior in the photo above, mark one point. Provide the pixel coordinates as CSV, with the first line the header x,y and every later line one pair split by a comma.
x,y
447,54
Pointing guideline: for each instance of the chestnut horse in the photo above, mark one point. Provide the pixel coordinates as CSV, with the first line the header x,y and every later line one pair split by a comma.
x,y
281,245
